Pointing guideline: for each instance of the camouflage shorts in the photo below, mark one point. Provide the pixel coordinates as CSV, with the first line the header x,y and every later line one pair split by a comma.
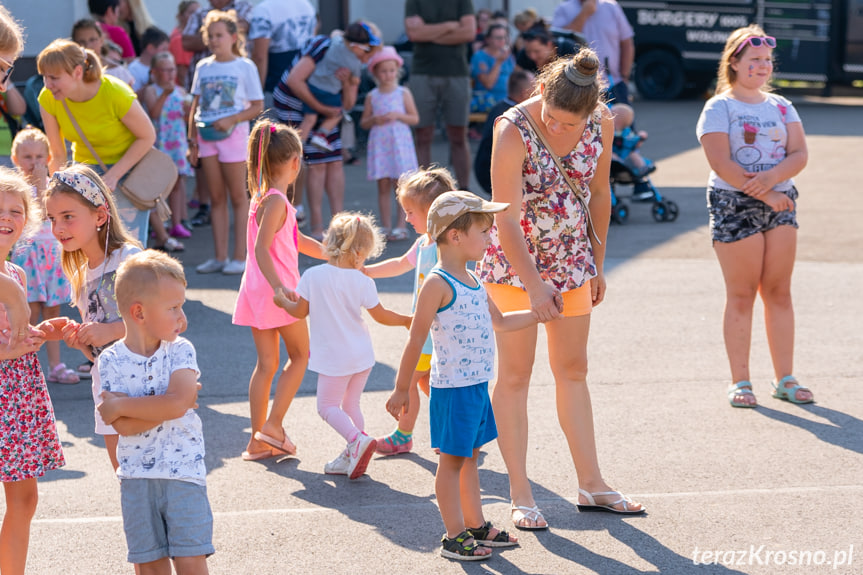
x,y
735,216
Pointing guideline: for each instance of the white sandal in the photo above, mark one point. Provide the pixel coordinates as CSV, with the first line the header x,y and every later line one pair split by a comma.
x,y
520,513
592,505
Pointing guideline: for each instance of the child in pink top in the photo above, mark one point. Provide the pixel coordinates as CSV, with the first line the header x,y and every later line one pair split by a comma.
x,y
272,268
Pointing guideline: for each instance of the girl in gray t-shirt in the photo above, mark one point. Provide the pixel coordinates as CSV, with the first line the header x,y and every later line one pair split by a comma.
x,y
755,144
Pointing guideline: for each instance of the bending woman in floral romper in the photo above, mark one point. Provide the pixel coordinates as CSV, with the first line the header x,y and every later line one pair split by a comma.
x,y
544,256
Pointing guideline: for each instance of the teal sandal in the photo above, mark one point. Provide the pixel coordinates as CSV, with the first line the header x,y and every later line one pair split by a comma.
x,y
740,388
790,393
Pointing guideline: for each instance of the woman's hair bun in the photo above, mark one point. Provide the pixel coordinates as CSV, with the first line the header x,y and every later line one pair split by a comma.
x,y
586,62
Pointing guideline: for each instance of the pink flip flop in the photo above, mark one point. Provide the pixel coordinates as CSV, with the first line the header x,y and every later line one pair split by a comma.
x,y
266,454
286,446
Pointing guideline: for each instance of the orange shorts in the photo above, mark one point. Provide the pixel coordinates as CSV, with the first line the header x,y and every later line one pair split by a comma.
x,y
510,298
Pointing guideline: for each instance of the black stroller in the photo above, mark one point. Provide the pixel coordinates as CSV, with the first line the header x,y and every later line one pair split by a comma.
x,y
643,190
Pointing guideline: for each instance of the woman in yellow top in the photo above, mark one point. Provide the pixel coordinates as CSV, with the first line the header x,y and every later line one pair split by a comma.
x,y
107,111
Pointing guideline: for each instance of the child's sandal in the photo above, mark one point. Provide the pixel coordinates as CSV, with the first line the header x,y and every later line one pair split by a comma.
x,y
455,548
481,536
790,393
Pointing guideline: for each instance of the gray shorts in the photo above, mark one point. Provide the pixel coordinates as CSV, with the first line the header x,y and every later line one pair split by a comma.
x,y
165,518
735,216
451,94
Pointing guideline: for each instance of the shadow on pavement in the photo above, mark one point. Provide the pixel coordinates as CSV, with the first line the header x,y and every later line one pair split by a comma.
x,y
843,431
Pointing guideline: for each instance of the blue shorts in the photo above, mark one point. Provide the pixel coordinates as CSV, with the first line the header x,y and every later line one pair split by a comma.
x,y
325,98
165,518
461,419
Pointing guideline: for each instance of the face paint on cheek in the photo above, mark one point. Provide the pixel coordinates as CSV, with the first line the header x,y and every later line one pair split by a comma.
x,y
751,68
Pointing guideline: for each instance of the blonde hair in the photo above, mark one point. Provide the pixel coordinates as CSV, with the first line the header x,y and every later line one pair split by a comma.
x,y
12,182
113,234
140,16
425,185
11,36
726,76
525,18
229,19
139,274
559,92
271,146
353,233
30,134
65,55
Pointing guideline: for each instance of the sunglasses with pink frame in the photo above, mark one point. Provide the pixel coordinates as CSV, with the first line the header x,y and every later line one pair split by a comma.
x,y
756,42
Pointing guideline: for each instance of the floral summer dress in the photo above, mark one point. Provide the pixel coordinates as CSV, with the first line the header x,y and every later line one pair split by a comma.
x,y
553,221
29,445
171,131
391,150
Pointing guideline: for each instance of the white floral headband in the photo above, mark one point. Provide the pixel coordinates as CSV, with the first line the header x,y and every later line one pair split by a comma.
x,y
83,185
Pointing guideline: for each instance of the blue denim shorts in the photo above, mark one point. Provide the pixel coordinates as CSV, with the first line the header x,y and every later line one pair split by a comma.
x,y
165,518
735,216
324,97
461,419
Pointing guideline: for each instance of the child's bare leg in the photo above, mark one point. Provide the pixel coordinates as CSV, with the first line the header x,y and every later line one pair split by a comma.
x,y
385,186
408,419
177,201
305,127
636,160
471,498
296,338
111,445
267,346
158,567
449,497
21,500
191,565
329,124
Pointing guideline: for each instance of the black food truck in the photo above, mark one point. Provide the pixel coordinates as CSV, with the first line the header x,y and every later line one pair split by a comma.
x,y
678,43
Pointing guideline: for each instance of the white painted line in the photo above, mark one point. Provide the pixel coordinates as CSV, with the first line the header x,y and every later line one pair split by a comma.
x,y
547,501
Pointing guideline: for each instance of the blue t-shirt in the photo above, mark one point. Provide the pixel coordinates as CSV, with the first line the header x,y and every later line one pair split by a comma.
x,y
481,63
757,134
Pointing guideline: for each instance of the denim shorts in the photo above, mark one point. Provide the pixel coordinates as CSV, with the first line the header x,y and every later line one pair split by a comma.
x,y
324,97
165,518
461,419
735,216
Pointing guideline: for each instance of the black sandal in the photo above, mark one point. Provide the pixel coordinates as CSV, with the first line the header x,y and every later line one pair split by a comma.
x,y
480,535
455,548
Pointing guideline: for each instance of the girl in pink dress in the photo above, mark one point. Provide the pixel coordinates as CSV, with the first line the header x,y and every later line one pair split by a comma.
x,y
388,113
272,268
29,445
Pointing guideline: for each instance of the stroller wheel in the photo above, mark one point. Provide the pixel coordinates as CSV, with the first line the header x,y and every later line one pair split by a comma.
x,y
672,211
665,211
619,213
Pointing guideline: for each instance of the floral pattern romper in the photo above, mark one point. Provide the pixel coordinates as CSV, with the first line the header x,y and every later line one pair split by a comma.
x,y
29,445
171,131
553,221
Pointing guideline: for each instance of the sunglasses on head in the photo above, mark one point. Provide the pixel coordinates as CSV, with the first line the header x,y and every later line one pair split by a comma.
x,y
8,73
363,47
756,42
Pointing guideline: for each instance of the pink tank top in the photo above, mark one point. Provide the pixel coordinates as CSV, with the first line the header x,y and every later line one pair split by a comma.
x,y
255,305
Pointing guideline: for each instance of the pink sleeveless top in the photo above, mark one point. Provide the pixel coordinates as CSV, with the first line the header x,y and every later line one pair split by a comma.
x,y
255,305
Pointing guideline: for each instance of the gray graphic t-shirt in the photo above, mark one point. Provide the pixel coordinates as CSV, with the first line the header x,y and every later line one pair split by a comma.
x,y
757,133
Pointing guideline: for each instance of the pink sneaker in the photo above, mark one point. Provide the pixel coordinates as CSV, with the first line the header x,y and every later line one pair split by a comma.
x,y
388,446
179,231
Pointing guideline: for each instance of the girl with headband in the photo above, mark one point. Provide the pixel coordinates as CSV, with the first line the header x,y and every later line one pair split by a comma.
x,y
95,242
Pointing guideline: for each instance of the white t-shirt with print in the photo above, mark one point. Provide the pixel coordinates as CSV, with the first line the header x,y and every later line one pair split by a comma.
x,y
141,73
339,338
757,133
225,88
174,449
288,25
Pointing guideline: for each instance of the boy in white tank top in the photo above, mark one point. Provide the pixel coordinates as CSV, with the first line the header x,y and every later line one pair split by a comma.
x,y
453,305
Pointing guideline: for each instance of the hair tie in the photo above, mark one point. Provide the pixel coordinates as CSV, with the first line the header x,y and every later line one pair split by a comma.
x,y
577,77
83,185
272,128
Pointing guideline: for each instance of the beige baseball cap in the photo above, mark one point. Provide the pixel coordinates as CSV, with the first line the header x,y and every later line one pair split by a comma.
x,y
448,206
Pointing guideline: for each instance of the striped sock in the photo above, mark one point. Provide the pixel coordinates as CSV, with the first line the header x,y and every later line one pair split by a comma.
x,y
400,437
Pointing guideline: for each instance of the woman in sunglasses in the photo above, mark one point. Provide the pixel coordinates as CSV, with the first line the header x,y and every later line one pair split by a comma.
x,y
755,144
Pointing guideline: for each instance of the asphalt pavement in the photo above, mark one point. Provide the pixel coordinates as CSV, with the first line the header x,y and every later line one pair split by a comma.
x,y
773,490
